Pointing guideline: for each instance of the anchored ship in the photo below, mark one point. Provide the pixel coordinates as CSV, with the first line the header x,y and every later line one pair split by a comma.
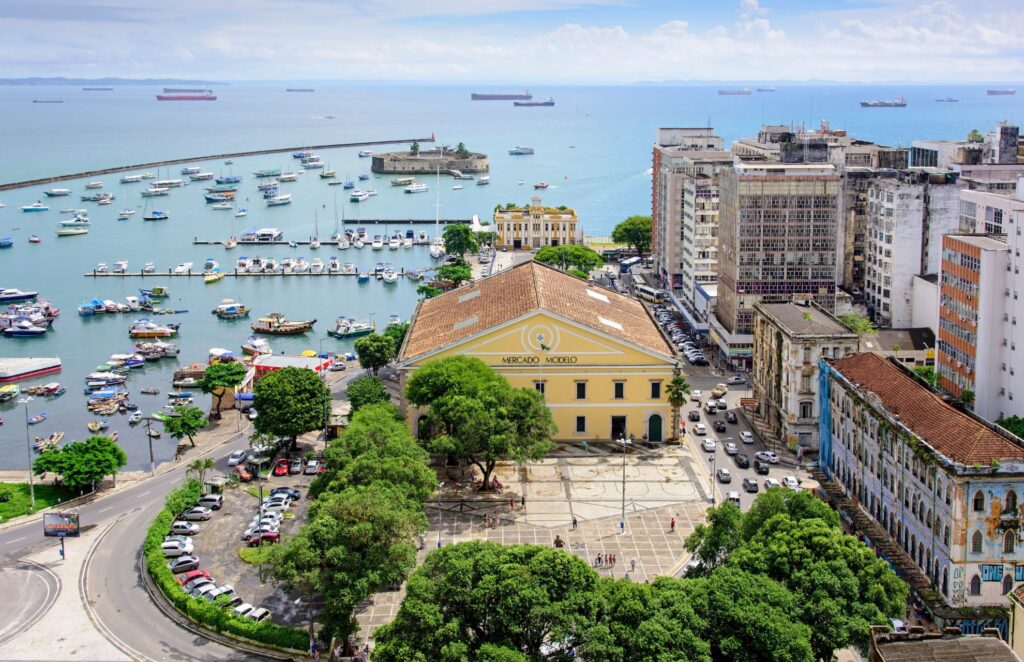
x,y
547,102
197,95
524,96
1002,93
898,102
734,93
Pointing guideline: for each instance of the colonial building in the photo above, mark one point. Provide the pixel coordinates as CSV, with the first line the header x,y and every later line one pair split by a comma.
x,y
598,357
536,226
789,339
947,487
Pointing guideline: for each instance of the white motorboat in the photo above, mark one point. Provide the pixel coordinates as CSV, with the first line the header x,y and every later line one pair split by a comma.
x,y
394,243
349,269
125,213
407,242
270,266
94,185
484,181
72,232
241,212
371,192
316,266
333,266
210,265
255,265
57,192
77,222
278,200
457,187
358,243
394,320
183,268
222,205
359,195
120,267
343,243
242,263
301,266
148,268
378,242
101,268
418,187
389,276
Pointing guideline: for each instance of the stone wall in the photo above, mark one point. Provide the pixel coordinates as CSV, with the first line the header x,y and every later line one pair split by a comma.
x,y
427,163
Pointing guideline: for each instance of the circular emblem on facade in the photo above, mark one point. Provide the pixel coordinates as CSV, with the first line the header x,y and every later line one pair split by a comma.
x,y
540,338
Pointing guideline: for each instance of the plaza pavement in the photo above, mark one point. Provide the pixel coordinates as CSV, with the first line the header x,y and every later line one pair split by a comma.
x,y
660,485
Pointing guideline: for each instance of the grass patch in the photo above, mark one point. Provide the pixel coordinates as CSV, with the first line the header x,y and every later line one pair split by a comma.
x,y
254,492
19,503
254,555
288,515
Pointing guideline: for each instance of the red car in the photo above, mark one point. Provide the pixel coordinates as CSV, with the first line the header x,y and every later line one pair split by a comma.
x,y
186,577
281,467
269,537
243,473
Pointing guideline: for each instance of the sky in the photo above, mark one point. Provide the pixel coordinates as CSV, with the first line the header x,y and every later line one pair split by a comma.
x,y
527,41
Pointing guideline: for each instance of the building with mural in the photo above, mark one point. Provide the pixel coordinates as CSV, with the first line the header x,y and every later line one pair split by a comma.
x,y
598,357
947,487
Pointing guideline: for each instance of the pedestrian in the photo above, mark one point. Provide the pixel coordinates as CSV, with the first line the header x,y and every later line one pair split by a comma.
x,y
511,504
613,559
522,501
632,565
672,525
574,522
599,557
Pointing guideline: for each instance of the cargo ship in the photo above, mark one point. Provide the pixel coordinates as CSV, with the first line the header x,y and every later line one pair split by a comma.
x,y
14,369
185,90
205,95
734,93
524,96
299,89
547,102
898,102
1002,93
98,89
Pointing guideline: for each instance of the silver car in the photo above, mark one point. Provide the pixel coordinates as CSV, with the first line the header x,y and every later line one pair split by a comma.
x,y
198,513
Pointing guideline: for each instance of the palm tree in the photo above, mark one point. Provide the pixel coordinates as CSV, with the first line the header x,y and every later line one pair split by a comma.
x,y
678,391
199,467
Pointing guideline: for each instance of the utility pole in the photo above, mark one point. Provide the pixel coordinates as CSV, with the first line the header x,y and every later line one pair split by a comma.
x,y
623,441
28,450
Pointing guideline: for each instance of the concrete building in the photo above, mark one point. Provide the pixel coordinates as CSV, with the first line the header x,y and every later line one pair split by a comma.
x,y
907,218
536,226
789,340
912,347
989,212
978,312
1016,638
598,357
778,229
668,141
945,486
946,646
997,147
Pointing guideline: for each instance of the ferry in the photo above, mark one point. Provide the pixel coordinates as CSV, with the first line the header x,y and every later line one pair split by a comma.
x,y
276,324
205,95
521,151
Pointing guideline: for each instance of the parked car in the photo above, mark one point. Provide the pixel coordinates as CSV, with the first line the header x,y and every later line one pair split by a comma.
x,y
174,549
237,458
198,513
281,467
270,537
742,461
212,501
731,448
746,437
736,379
243,474
242,609
733,497
718,426
724,475
767,456
226,589
203,589
694,416
290,491
196,582
730,417
252,414
263,528
295,467
192,575
708,445
710,408
259,614
771,482
749,485
184,528
183,564
719,391
312,468
700,429
792,482
695,396
183,539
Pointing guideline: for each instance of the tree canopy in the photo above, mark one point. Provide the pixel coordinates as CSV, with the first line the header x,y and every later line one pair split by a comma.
x,y
635,232
187,422
581,258
221,377
81,464
458,239
364,391
290,402
1014,424
456,273
375,351
397,333
857,323
428,291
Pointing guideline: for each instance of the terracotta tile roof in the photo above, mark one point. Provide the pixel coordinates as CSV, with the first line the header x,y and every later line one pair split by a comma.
x,y
952,433
509,294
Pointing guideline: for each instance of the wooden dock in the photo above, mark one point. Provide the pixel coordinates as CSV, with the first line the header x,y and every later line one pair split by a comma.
x,y
208,157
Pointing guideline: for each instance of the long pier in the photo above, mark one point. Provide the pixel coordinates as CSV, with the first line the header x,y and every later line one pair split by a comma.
x,y
209,157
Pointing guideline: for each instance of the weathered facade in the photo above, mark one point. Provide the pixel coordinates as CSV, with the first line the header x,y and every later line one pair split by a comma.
x,y
428,162
536,226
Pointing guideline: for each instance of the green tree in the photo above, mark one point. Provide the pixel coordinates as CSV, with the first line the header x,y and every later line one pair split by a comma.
x,y
712,543
678,391
199,468
636,232
455,273
357,542
187,423
414,149
428,291
458,239
582,275
485,237
461,151
476,416
375,351
81,464
221,377
858,323
397,333
975,136
290,402
927,373
366,391
580,257
967,396
486,601
780,501
1014,424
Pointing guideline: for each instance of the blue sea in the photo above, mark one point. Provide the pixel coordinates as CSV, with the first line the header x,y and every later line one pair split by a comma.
x,y
593,147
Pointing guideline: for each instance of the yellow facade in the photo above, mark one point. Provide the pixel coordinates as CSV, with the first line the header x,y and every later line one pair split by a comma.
x,y
536,226
597,386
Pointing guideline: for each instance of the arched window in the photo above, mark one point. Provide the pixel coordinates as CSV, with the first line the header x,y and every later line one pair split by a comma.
x,y
806,409
913,545
945,582
1009,542
1007,584
975,585
945,535
979,502
1011,501
976,543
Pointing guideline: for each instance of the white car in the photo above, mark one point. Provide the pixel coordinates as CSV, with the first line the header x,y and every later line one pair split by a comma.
x,y
731,449
695,396
242,609
767,456
236,458
747,438
252,414
771,482
700,429
708,444
792,482
198,513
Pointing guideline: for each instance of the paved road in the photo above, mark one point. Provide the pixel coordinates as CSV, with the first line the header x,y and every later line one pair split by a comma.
x,y
36,589
111,582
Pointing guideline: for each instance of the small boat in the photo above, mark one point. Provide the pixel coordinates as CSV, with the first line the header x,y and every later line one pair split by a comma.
x,y
156,215
241,212
6,242
255,346
278,200
154,433
34,239
149,390
389,276
135,418
363,177
418,187
157,292
35,206
57,192
363,153
947,100
155,192
457,187
213,276
72,232
541,185
94,426
37,419
148,268
393,320
125,214
484,181
521,151
276,324
328,174
363,277
222,205
94,185
230,309
230,242
346,327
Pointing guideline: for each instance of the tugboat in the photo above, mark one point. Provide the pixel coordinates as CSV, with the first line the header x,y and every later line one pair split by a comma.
x,y
276,324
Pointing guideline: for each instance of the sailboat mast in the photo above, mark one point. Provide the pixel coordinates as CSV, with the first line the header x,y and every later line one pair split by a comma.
x,y
437,203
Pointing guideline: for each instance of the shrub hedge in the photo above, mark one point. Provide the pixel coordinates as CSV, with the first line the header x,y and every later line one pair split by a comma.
x,y
200,610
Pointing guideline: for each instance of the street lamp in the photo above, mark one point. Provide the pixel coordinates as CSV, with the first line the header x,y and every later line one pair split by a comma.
x,y
623,441
440,515
712,477
28,450
149,438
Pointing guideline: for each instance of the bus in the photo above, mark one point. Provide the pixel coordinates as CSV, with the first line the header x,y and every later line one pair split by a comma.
x,y
649,293
638,281
624,265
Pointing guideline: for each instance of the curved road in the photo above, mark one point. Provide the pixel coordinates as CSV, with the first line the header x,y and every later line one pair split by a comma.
x,y
37,589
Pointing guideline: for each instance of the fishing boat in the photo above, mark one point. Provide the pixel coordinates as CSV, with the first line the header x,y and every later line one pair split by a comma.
x,y
149,390
229,309
346,327
191,170
255,346
93,426
37,419
521,151
97,197
146,329
57,192
278,200
228,179
156,215
156,292
213,276
35,206
276,324
72,232
135,418
267,186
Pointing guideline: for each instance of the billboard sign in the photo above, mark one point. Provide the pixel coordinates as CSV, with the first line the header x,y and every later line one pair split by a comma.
x,y
60,525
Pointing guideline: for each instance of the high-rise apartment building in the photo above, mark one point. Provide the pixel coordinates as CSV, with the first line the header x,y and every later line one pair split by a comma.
x,y
778,228
907,218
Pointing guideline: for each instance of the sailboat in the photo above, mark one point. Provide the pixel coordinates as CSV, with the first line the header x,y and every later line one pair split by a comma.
x,y
437,246
124,213
315,241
